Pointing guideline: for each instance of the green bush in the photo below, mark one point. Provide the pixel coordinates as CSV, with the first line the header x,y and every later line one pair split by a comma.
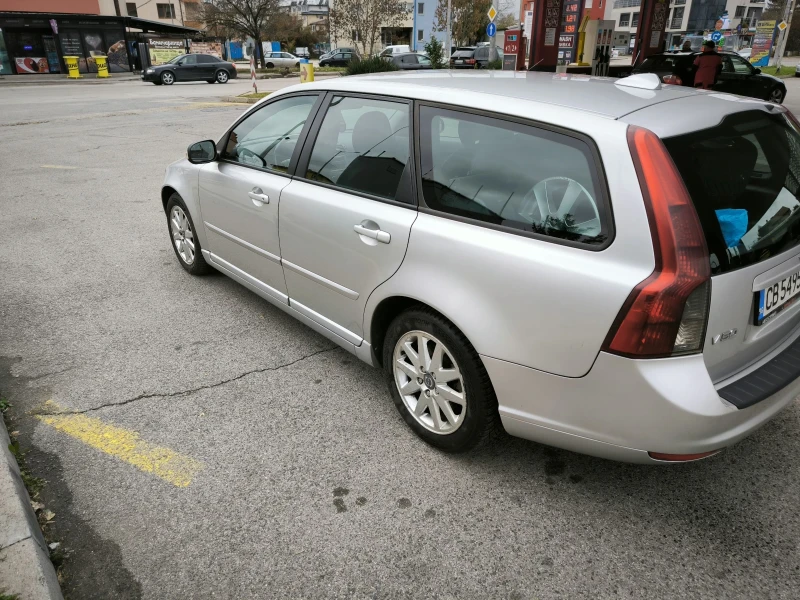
x,y
373,64
495,64
435,52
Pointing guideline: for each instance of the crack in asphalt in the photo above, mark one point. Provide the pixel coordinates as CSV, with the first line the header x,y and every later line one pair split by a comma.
x,y
185,392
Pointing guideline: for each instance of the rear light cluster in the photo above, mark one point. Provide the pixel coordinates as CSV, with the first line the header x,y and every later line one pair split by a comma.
x,y
470,61
666,314
672,79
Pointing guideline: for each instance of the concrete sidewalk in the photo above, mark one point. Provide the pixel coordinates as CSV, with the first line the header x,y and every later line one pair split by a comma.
x,y
25,567
51,78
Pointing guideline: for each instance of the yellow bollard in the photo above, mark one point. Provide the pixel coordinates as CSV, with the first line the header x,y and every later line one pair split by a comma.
x,y
72,67
102,66
306,72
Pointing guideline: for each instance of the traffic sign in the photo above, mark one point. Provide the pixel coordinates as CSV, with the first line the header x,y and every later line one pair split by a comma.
x,y
782,25
492,13
491,29
716,36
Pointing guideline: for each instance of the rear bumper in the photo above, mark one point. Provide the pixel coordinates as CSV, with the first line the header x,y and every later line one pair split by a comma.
x,y
623,409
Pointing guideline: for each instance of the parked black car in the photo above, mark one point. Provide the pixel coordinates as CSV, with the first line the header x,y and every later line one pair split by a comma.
x,y
191,67
410,61
738,75
340,59
463,58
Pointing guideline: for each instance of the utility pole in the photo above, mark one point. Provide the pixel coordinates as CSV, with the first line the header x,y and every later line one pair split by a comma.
x,y
449,43
784,35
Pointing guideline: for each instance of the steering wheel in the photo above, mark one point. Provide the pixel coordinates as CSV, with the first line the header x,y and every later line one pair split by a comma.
x,y
251,158
557,202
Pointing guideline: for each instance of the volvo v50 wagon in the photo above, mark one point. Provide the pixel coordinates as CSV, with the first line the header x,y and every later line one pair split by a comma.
x,y
607,267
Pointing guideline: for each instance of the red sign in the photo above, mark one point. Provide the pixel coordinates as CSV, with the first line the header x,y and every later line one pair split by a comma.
x,y
511,43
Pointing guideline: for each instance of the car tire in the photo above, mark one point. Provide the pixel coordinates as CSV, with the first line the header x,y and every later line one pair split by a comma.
x,y
468,425
222,76
180,221
270,65
776,95
167,78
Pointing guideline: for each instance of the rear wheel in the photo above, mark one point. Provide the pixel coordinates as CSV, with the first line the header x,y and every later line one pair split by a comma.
x,y
221,76
438,382
776,95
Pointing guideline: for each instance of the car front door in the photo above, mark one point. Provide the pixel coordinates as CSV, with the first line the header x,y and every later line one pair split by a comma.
x,y
346,216
239,193
187,68
424,62
751,84
730,80
409,62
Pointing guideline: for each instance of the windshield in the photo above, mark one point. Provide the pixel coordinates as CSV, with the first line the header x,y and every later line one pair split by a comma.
x,y
174,60
744,179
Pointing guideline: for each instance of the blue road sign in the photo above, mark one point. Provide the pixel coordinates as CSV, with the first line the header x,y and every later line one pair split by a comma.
x,y
716,36
491,29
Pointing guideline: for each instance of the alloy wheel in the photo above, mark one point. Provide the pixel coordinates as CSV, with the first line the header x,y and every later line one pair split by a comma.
x,y
182,234
776,96
222,77
429,382
167,78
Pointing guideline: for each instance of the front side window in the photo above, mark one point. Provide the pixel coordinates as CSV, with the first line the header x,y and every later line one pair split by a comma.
x,y
267,138
741,66
362,145
423,60
511,175
189,59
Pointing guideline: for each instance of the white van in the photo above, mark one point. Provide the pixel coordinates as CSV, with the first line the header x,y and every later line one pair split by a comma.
x,y
391,50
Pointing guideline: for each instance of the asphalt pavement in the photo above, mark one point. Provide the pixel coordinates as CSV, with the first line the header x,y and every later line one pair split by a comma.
x,y
199,443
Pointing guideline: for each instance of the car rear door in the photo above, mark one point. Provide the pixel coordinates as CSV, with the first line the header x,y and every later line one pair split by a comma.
x,y
346,217
743,175
240,193
409,62
206,66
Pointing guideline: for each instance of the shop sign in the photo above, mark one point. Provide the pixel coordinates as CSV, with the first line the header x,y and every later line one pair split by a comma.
x,y
762,43
163,50
565,41
32,64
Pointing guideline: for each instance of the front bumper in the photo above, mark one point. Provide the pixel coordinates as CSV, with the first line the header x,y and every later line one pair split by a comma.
x,y
149,76
623,409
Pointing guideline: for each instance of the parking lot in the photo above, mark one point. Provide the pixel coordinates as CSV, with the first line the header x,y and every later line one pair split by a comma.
x,y
197,442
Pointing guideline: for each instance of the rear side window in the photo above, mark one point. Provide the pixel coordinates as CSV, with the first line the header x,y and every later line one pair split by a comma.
x,y
205,58
362,145
744,178
512,175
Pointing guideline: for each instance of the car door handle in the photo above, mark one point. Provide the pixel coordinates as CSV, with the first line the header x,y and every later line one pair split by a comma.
x,y
376,234
257,195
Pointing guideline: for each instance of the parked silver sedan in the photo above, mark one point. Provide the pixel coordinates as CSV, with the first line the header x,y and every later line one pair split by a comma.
x,y
608,267
280,60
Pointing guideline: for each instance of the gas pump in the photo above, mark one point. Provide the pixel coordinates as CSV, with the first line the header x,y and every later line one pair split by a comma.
x,y
597,45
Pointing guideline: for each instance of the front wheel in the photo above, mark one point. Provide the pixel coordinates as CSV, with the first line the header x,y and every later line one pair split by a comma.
x,y
221,76
438,382
270,65
184,237
167,78
776,96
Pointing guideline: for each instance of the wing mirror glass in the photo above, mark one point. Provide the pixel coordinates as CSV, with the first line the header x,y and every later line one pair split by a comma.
x,y
758,71
202,152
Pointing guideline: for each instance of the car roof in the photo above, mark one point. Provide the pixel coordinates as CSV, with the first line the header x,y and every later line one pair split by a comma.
x,y
489,89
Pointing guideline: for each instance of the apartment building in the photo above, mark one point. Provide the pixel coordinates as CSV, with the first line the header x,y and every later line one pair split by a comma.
x,y
311,13
423,24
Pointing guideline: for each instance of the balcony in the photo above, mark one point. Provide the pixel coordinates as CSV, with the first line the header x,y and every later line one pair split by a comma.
x,y
628,3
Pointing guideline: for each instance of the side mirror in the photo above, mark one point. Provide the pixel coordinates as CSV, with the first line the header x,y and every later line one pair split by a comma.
x,y
202,152
758,71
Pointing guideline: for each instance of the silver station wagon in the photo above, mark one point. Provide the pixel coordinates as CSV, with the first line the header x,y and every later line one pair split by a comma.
x,y
611,267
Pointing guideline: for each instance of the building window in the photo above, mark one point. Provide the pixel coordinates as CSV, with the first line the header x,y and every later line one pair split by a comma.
x,y
420,35
635,20
421,8
601,4
165,11
739,11
130,8
625,19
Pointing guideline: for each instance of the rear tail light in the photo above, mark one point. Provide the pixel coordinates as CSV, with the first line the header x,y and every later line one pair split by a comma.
x,y
672,80
666,314
470,61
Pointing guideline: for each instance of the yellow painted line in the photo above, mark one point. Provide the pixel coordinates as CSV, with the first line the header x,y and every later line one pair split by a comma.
x,y
126,445
57,167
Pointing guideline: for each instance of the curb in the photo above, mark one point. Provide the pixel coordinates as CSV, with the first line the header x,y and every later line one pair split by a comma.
x,y
25,567
239,100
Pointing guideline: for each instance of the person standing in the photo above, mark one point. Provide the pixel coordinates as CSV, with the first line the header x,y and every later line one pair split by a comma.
x,y
708,65
687,46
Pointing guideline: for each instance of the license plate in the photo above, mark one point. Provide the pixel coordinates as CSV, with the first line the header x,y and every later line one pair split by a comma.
x,y
459,62
770,301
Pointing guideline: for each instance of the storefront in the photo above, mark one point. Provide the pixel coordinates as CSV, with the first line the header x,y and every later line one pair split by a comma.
x,y
36,44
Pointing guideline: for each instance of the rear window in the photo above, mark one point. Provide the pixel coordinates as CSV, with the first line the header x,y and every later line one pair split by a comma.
x,y
659,63
464,53
744,179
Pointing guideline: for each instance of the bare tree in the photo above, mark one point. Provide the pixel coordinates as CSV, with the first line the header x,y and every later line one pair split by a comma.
x,y
362,20
251,18
468,17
